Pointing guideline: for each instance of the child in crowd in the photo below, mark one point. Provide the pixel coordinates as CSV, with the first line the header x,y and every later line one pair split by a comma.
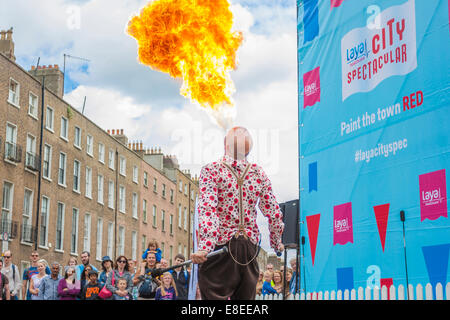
x,y
92,289
153,246
122,287
267,286
167,290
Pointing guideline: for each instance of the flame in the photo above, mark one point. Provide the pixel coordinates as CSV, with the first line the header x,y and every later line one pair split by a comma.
x,y
191,40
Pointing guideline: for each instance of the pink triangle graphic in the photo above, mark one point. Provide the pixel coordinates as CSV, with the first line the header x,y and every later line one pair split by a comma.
x,y
313,230
381,215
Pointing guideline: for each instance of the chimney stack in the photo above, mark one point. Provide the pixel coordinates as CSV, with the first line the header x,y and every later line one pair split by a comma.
x,y
7,44
54,78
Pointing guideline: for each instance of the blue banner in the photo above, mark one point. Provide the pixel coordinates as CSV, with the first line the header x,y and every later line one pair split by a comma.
x,y
374,107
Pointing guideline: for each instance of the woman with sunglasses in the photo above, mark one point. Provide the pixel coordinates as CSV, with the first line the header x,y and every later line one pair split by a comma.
x,y
121,270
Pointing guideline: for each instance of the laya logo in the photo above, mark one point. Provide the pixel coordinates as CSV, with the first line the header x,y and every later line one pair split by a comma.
x,y
311,83
433,195
343,225
357,53
370,55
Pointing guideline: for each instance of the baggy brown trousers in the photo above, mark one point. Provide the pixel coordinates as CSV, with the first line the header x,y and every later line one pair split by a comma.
x,y
220,277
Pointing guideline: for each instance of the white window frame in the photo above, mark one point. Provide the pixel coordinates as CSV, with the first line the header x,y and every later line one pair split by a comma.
x,y
31,106
27,215
48,177
78,190
90,145
180,214
100,185
154,217
50,126
144,242
133,245
135,174
135,205
180,186
99,242
14,136
155,185
7,210
87,232
109,245
31,149
111,159
61,248
144,210
163,220
146,179
44,244
64,135
122,198
74,231
111,194
88,183
64,183
185,219
77,137
121,242
101,153
122,166
171,224
14,97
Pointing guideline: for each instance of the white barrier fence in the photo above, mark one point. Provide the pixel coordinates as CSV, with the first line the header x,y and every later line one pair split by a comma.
x,y
375,293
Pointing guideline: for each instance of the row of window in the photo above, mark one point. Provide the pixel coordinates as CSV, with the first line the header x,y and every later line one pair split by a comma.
x,y
6,214
8,191
13,98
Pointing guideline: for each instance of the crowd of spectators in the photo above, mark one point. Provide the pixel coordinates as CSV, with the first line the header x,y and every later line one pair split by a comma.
x,y
271,281
122,279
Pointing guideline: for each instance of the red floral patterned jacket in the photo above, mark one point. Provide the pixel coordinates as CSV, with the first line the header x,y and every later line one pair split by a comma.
x,y
218,205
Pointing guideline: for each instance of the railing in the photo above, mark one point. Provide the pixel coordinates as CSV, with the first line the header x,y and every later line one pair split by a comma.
x,y
28,233
393,293
13,152
32,161
10,227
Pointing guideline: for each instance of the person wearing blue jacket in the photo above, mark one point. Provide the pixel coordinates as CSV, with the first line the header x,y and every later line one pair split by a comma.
x,y
267,287
153,246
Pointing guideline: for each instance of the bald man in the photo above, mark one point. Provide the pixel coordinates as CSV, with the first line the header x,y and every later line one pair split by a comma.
x,y
230,189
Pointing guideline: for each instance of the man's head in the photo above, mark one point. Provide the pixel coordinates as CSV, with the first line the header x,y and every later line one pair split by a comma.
x,y
179,259
7,256
164,263
238,143
85,255
34,257
269,267
55,269
151,260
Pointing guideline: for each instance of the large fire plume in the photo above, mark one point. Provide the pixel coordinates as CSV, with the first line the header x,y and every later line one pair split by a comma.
x,y
191,40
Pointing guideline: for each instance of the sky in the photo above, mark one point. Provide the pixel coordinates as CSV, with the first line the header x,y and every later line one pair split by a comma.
x,y
121,93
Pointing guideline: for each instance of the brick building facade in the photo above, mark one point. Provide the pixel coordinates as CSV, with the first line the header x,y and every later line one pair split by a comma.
x,y
85,189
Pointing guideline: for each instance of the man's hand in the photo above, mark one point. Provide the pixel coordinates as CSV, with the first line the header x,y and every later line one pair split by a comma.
x,y
280,249
199,257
